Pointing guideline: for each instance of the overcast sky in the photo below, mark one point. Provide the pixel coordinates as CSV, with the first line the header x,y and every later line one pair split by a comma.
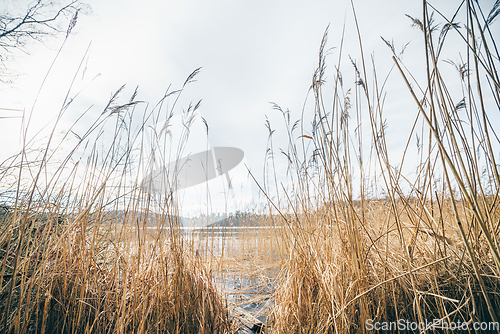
x,y
251,53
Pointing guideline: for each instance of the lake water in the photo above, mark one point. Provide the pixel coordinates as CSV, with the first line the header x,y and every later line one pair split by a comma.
x,y
244,262
248,264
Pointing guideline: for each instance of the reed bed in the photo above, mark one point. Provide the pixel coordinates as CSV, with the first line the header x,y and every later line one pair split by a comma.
x,y
423,250
87,248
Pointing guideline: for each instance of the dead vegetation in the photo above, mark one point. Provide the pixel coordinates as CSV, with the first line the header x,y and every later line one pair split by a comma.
x,y
99,256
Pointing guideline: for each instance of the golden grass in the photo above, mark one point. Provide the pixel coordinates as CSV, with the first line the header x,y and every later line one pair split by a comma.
x,y
426,250
74,276
324,287
78,254
98,257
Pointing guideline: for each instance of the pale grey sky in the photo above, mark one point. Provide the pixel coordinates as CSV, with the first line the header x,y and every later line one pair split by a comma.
x,y
251,53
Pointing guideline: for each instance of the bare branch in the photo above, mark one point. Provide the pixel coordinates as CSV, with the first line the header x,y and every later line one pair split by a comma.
x,y
38,21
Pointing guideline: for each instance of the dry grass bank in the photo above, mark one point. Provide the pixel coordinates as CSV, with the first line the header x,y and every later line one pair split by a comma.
x,y
427,249
78,254
81,257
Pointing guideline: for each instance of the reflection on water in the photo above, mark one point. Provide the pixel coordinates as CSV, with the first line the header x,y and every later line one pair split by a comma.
x,y
246,262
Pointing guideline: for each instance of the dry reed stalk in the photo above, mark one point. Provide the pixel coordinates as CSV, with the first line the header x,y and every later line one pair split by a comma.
x,y
427,249
78,257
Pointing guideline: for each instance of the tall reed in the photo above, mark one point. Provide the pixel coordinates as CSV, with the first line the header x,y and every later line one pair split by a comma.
x,y
87,248
424,249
